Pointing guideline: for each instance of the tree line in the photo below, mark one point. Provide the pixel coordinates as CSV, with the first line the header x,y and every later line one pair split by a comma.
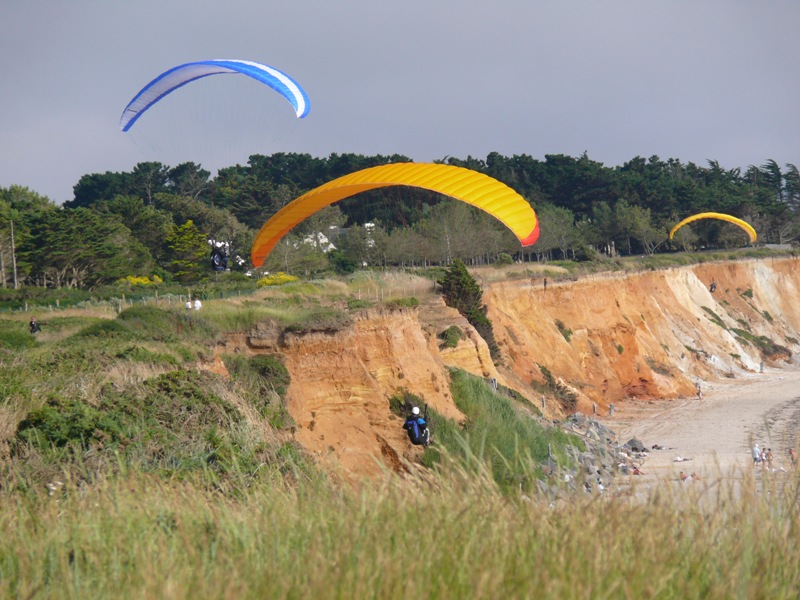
x,y
162,220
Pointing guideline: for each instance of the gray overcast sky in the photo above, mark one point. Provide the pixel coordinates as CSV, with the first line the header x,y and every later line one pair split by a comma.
x,y
687,79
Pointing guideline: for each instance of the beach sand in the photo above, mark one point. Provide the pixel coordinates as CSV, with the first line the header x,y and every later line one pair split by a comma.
x,y
716,432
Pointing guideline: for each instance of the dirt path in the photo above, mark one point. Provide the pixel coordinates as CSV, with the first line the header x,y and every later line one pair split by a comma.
x,y
716,433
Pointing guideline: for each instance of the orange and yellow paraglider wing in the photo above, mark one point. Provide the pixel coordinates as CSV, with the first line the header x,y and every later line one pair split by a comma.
x,y
714,215
466,185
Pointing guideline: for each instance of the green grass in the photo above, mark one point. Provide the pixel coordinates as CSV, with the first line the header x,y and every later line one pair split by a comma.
x,y
498,432
453,536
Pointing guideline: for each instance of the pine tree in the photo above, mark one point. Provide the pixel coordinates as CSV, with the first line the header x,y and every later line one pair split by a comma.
x,y
463,293
188,248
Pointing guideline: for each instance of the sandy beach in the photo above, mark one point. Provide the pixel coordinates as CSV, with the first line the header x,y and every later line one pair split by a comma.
x,y
714,434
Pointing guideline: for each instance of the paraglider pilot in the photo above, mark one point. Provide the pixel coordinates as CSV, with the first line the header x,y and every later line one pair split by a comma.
x,y
417,427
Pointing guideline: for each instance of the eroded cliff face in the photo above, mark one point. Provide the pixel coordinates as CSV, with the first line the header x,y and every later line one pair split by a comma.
x,y
647,335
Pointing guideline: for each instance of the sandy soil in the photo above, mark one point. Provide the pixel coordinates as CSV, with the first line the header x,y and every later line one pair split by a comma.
x,y
716,432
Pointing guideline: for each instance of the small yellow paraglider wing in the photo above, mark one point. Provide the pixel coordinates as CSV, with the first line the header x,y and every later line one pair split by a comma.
x,y
714,215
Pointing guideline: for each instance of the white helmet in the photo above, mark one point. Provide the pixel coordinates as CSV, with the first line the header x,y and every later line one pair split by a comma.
x,y
415,410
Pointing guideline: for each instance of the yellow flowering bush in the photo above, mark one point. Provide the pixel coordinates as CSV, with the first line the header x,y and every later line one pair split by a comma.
x,y
134,280
278,278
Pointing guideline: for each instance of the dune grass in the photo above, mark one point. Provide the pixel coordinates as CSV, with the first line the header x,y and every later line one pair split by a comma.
x,y
454,535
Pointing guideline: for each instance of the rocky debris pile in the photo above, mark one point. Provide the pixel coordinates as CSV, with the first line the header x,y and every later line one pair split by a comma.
x,y
596,467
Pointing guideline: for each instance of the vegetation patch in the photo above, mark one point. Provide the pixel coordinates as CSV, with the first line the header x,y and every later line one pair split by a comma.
x,y
451,336
265,380
171,425
15,336
279,278
320,320
695,351
401,403
658,367
463,293
143,355
565,396
105,330
767,347
358,303
401,303
714,317
567,333
511,443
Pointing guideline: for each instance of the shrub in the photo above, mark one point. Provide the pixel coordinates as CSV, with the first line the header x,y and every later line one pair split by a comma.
x,y
403,401
106,329
567,333
398,303
272,371
565,396
64,421
451,336
505,259
278,278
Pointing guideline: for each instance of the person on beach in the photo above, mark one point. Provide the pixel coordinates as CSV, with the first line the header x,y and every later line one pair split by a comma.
x,y
792,457
756,455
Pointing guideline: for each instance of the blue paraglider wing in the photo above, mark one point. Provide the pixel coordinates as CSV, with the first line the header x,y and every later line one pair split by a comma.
x,y
176,77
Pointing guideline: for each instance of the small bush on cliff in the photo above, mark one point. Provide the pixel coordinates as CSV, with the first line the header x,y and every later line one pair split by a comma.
x,y
272,371
451,336
565,396
401,403
400,303
567,333
463,293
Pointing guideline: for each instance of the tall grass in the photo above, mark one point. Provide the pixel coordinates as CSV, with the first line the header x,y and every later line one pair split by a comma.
x,y
500,433
452,536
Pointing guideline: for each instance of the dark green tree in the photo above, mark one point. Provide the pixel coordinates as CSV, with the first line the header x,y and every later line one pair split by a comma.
x,y
463,293
188,252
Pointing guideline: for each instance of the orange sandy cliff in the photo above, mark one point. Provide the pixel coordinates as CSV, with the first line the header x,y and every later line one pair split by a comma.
x,y
650,335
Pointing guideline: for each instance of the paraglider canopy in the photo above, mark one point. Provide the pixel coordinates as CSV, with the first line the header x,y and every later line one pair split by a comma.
x,y
466,185
176,77
714,215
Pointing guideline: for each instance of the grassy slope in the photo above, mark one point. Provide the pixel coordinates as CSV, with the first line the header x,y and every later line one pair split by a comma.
x,y
145,475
